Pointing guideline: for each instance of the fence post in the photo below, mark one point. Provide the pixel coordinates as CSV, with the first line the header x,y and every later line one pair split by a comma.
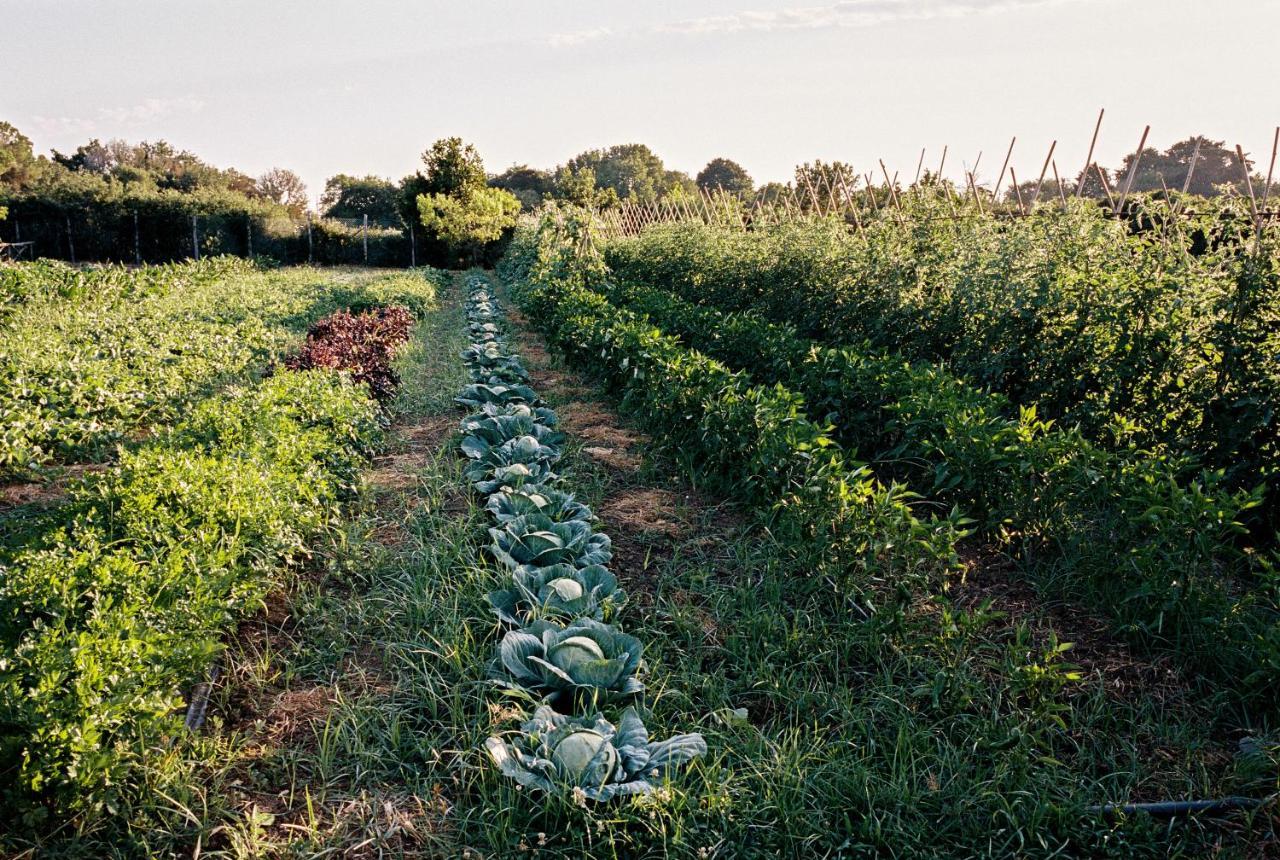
x,y
195,239
364,235
310,247
137,243
413,249
248,230
71,245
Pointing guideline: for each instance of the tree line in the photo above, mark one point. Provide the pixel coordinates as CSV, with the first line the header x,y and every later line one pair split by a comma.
x,y
104,199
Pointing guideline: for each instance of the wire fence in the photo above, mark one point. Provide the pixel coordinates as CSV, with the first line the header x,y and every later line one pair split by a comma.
x,y
140,236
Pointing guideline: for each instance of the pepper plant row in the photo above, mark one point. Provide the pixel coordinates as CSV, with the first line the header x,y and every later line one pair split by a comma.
x,y
1159,336
750,442
1119,529
560,608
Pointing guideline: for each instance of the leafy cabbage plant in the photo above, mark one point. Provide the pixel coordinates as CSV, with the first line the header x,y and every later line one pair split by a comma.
x,y
536,539
558,591
589,754
488,432
489,361
512,465
585,661
539,414
478,394
493,477
556,505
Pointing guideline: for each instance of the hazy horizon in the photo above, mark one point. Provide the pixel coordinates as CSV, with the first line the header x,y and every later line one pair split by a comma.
x,y
321,89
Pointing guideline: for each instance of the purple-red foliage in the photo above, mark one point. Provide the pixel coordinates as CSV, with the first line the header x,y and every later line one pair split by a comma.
x,y
362,344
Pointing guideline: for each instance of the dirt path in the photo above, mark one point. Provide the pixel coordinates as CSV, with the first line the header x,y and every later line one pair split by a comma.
x,y
645,519
653,517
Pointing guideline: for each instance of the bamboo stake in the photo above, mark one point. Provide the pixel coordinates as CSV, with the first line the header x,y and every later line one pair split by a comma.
x,y
875,206
973,186
1102,179
995,194
893,193
919,166
1062,195
853,206
1133,170
1035,192
813,196
706,210
831,192
1013,177
1191,168
1088,159
1248,184
1266,192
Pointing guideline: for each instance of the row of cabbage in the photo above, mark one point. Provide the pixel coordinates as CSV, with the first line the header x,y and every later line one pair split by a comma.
x,y
1118,528
562,647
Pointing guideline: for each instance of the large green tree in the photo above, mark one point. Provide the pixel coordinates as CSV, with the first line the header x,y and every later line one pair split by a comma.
x,y
17,159
579,187
285,188
453,167
471,220
530,185
356,196
632,171
1216,167
722,173
455,205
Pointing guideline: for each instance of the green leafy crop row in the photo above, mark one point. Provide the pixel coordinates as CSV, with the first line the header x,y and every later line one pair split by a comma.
x,y
751,442
1168,336
1115,528
114,600
93,358
104,620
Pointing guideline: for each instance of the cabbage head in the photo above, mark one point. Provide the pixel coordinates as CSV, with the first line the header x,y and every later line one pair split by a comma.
x,y
556,505
554,752
493,468
586,661
559,591
498,393
540,414
537,540
490,361
485,432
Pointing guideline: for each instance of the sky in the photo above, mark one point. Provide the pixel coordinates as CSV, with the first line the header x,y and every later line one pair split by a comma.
x,y
323,86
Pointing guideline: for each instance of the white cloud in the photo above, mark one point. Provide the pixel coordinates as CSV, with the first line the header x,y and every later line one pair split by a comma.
x,y
60,126
110,121
847,13
578,37
150,110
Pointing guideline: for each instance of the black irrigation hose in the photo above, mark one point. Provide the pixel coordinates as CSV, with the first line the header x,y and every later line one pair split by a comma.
x,y
1181,808
199,704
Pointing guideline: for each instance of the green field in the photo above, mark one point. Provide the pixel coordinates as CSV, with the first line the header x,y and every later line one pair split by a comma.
x,y
883,596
